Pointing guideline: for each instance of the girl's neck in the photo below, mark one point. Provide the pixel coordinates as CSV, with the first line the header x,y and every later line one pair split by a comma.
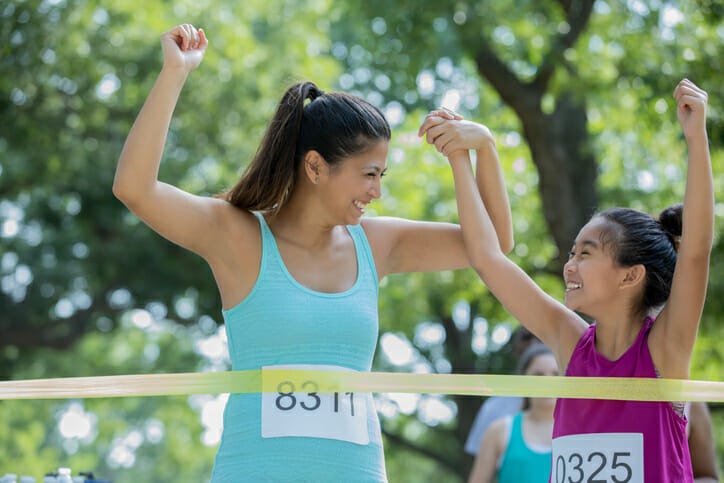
x,y
615,336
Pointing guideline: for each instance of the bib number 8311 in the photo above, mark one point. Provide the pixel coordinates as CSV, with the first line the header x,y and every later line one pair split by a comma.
x,y
310,401
298,409
598,458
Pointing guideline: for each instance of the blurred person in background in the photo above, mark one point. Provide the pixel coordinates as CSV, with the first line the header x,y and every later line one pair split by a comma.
x,y
518,448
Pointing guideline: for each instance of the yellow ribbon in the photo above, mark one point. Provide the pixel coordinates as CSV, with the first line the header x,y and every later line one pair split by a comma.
x,y
292,380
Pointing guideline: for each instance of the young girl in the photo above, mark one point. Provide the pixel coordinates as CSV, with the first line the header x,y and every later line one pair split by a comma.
x,y
643,281
517,448
296,265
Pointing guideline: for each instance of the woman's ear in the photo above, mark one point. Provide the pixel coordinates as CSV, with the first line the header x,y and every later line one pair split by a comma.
x,y
314,166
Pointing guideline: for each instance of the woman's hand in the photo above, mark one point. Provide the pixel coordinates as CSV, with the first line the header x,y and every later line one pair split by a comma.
x,y
183,47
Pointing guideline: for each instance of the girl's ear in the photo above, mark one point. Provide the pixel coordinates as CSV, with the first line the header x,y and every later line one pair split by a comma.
x,y
633,276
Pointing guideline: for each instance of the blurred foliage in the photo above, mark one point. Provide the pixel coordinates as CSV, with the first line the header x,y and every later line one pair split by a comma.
x,y
85,289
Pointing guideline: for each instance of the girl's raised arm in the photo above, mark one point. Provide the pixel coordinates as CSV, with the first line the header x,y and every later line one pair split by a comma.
x,y
415,246
558,327
674,333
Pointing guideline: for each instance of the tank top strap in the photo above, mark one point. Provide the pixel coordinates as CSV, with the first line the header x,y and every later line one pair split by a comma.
x,y
265,230
642,337
516,430
270,256
648,323
365,260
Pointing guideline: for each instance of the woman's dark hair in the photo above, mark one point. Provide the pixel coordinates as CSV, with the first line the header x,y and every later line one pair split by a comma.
x,y
521,339
526,359
636,238
336,125
533,351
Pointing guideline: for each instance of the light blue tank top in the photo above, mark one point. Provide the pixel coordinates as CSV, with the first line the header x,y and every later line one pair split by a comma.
x,y
282,322
521,463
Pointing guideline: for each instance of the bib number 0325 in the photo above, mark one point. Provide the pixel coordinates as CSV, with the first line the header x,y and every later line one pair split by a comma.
x,y
598,458
298,409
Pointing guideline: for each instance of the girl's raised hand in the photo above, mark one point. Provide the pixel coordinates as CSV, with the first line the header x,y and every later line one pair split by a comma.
x,y
450,134
691,108
183,47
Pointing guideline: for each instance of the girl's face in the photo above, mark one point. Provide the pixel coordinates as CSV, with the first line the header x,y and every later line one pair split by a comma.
x,y
354,183
591,274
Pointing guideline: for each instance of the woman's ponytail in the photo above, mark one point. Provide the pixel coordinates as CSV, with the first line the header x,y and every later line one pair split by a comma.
x,y
271,175
336,125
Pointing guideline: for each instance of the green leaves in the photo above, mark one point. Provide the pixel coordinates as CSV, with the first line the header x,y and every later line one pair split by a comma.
x,y
76,266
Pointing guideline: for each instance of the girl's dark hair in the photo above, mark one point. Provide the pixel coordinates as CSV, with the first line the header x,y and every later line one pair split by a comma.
x,y
336,125
636,238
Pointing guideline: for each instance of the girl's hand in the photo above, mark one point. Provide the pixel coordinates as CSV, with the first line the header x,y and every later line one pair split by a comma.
x,y
691,108
183,47
450,135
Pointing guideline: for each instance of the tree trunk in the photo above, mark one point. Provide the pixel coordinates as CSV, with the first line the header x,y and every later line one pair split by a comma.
x,y
560,147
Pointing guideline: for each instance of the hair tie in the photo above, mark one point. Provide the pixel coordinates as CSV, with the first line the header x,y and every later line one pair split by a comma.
x,y
315,93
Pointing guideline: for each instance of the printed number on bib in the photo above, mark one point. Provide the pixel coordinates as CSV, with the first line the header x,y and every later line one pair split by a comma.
x,y
598,458
297,409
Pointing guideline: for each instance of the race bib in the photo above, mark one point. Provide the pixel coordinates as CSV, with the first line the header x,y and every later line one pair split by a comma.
x,y
598,458
297,409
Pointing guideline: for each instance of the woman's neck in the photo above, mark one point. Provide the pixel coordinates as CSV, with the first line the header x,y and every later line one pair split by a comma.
x,y
541,411
299,220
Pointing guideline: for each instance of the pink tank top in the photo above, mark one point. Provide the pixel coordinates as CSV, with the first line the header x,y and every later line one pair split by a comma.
x,y
623,441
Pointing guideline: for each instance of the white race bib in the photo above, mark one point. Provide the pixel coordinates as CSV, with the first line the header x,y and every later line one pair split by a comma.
x,y
301,411
598,458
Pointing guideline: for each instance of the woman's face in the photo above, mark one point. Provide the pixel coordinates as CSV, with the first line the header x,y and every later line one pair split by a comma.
x,y
354,183
542,365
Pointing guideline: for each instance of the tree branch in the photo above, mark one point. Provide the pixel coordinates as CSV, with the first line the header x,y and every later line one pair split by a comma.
x,y
578,14
514,93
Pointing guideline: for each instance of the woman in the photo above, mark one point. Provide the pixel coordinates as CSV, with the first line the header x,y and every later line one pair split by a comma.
x,y
518,448
296,265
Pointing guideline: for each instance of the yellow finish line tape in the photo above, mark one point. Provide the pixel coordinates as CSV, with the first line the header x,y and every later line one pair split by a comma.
x,y
294,380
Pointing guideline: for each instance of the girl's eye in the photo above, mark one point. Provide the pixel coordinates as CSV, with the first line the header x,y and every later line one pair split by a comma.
x,y
585,253
571,254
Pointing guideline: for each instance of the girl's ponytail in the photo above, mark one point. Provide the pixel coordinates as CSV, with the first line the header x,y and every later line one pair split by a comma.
x,y
671,220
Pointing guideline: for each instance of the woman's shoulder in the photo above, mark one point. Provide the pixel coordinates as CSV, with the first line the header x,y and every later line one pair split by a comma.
x,y
233,217
235,228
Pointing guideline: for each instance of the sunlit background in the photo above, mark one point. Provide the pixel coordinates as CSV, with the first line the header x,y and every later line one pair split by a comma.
x,y
87,290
